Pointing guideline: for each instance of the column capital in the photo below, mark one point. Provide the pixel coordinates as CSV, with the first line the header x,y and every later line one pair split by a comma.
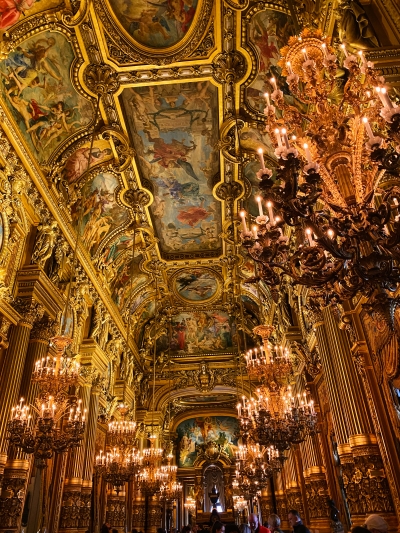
x,y
29,310
44,329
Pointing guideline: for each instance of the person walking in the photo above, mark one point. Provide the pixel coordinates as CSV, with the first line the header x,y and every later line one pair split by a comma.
x,y
255,525
296,523
274,523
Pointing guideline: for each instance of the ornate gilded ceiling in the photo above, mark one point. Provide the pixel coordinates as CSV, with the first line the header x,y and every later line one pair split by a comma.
x,y
172,93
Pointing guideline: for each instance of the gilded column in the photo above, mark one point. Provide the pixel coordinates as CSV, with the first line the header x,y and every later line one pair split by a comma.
x,y
10,382
90,441
280,499
71,500
12,371
365,482
375,391
18,463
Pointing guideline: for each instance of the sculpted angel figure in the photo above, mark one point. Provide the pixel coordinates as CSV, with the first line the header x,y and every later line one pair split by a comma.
x,y
44,243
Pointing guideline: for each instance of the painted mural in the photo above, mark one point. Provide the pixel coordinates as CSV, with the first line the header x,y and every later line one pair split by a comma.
x,y
36,86
269,31
203,332
175,130
158,24
194,431
78,163
196,285
12,10
121,285
99,211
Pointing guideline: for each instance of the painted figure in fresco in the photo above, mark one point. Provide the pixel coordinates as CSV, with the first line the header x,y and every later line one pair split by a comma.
x,y
159,23
77,164
172,154
195,214
181,331
267,47
11,10
37,86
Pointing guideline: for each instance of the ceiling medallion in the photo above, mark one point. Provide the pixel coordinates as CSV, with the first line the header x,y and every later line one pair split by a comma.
x,y
197,285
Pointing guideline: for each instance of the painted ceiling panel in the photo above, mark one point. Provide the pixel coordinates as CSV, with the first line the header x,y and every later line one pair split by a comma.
x,y
174,130
159,24
37,88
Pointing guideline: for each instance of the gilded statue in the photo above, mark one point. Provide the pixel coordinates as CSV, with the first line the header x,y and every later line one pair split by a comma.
x,y
355,28
44,243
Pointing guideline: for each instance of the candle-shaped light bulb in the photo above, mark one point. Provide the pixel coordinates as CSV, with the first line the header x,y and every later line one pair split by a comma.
x,y
310,236
385,98
259,202
266,96
270,213
273,83
324,49
343,47
289,67
243,215
362,57
307,152
305,54
285,137
368,128
330,233
278,137
261,156
255,234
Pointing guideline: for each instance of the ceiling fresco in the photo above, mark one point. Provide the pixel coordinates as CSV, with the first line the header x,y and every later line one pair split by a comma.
x,y
99,212
159,24
160,132
11,12
174,130
268,32
38,90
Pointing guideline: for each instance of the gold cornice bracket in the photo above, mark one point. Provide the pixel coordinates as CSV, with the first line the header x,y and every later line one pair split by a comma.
x,y
123,152
33,283
73,19
92,354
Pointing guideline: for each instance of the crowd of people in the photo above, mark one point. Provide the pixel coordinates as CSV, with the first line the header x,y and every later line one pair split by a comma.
x,y
373,524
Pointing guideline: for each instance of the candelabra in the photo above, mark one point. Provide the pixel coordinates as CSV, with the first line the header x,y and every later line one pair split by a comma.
x,y
123,461
151,477
336,181
42,434
255,464
190,505
264,364
276,418
171,489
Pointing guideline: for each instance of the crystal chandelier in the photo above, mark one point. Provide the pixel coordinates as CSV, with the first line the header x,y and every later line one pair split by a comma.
x,y
42,434
337,177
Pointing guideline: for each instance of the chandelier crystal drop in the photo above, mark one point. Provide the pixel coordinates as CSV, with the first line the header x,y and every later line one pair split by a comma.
x,y
42,433
337,177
